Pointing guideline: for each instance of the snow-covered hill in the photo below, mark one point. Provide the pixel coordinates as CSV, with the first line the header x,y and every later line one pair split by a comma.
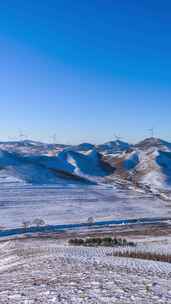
x,y
147,163
113,147
89,164
66,167
153,142
83,147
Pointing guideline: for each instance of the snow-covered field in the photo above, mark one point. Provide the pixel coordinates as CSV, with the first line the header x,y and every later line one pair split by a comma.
x,y
74,204
45,271
121,182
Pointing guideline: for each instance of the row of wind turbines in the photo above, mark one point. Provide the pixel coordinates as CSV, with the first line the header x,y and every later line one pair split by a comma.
x,y
53,139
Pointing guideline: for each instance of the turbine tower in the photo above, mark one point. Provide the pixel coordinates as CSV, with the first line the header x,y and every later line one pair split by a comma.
x,y
151,132
21,135
117,137
54,138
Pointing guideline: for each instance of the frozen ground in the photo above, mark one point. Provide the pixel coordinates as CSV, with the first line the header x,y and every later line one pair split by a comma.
x,y
34,271
75,204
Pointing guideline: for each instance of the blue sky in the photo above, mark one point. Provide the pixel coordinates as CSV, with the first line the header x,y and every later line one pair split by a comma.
x,y
85,70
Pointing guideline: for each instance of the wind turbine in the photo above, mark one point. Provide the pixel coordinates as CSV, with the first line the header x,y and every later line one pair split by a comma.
x,y
54,137
12,138
151,132
22,136
117,137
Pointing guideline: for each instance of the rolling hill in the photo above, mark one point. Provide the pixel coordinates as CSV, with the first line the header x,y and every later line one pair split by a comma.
x,y
65,167
145,164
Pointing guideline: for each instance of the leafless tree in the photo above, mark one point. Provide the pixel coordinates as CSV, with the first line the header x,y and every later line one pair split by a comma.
x,y
25,225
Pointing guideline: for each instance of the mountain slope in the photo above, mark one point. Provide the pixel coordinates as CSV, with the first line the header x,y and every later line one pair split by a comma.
x,y
36,170
89,164
67,166
150,166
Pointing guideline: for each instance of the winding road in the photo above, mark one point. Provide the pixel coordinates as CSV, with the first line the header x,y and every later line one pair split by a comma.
x,y
65,227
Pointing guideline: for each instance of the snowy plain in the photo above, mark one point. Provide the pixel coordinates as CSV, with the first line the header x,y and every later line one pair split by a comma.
x,y
74,204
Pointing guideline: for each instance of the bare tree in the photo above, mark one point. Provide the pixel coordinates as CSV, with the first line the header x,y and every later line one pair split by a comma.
x,y
25,225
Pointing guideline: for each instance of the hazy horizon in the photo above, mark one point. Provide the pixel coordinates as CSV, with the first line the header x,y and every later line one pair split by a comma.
x,y
52,141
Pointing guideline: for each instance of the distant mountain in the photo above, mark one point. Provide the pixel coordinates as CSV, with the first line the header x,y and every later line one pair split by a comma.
x,y
31,147
110,147
153,142
83,147
115,146
147,163
28,147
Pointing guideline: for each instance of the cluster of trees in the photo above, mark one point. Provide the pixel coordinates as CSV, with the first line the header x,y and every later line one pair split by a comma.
x,y
38,222
96,241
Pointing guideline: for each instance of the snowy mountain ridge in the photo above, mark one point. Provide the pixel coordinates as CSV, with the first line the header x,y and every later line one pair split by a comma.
x,y
147,163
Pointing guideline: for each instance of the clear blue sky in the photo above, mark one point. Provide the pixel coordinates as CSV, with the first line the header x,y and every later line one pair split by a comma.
x,y
85,69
